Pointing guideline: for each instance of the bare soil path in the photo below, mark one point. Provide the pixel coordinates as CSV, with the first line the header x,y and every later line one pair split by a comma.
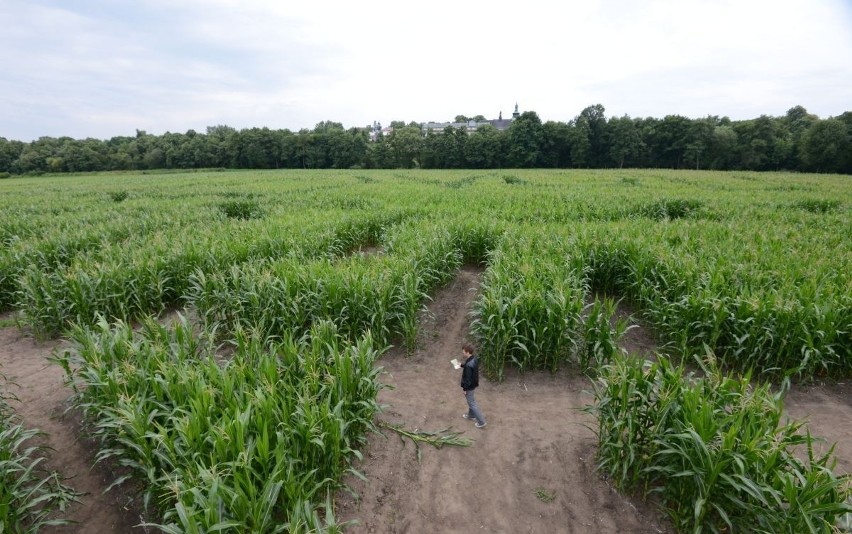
x,y
42,402
827,410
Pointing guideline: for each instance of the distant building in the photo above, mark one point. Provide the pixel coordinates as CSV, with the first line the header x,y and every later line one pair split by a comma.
x,y
500,123
470,126
377,130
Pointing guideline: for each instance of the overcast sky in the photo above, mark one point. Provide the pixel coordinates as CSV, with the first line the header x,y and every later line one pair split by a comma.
x,y
102,68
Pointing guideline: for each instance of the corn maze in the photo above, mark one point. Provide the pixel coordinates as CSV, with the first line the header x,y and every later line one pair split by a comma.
x,y
244,413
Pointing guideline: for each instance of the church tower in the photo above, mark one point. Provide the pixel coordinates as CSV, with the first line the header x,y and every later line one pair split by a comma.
x,y
515,115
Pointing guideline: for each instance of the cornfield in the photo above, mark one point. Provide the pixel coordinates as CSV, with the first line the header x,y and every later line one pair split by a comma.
x,y
246,417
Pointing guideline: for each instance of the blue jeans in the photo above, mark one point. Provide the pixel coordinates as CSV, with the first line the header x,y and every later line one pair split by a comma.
x,y
473,409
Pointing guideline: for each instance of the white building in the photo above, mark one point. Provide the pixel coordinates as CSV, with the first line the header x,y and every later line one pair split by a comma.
x,y
471,126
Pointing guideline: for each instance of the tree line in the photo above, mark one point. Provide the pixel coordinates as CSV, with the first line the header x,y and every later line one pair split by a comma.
x,y
796,141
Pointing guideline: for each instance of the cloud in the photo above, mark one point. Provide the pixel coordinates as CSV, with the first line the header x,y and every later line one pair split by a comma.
x,y
98,68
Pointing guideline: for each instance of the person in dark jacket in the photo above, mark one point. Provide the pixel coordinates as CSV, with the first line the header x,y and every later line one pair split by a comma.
x,y
469,382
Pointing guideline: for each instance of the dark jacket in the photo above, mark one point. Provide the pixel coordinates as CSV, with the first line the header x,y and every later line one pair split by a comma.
x,y
470,373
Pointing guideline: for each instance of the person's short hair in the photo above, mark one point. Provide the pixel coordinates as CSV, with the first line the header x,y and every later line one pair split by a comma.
x,y
468,348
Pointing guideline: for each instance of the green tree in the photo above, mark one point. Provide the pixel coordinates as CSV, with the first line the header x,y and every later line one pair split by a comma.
x,y
669,139
172,147
199,151
221,142
581,146
40,156
317,155
524,140
138,146
340,149
484,148
592,124
379,154
429,151
29,160
10,151
625,143
556,144
699,141
118,153
722,148
360,146
405,144
846,118
827,146
458,143
326,126
798,121
764,143
438,150
155,158
86,155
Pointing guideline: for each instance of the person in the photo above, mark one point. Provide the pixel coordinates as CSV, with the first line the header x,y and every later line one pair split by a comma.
x,y
469,382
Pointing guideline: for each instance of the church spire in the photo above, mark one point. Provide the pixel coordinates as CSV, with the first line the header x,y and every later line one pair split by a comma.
x,y
515,115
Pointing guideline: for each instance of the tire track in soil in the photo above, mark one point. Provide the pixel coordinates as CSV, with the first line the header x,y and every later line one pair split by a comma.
x,y
536,438
42,403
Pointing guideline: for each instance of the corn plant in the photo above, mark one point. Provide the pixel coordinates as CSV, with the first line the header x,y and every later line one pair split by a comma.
x,y
817,205
436,438
719,294
246,208
714,449
127,284
381,294
528,310
31,497
600,336
254,443
62,243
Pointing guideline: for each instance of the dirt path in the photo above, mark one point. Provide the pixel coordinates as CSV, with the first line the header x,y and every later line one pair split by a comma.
x,y
827,410
42,403
536,439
